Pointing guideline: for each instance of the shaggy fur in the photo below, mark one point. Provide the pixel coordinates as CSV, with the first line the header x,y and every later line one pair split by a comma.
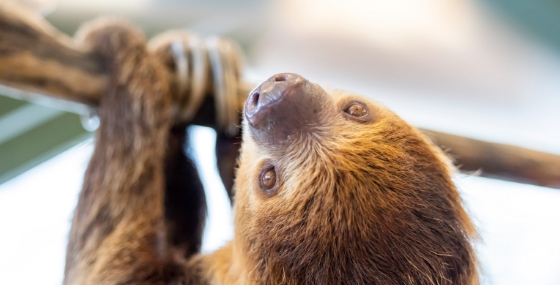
x,y
141,210
357,202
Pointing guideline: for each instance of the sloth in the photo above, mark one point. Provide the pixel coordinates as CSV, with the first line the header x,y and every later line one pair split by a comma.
x,y
331,188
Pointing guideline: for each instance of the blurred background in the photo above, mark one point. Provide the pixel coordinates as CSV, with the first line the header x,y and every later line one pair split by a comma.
x,y
486,69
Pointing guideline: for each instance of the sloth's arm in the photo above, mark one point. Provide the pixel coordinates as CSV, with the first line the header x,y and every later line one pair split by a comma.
x,y
227,152
185,202
118,233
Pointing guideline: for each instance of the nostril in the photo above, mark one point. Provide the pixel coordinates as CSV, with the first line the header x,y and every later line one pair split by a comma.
x,y
254,101
280,78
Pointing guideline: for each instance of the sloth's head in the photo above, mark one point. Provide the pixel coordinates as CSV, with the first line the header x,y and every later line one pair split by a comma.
x,y
334,188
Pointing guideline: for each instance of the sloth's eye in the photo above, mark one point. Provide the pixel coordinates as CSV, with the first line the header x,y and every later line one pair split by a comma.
x,y
356,110
268,180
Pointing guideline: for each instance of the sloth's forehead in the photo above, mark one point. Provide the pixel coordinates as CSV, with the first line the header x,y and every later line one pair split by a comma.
x,y
338,95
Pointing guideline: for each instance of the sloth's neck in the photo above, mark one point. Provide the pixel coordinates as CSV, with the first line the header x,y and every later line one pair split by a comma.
x,y
421,255
388,260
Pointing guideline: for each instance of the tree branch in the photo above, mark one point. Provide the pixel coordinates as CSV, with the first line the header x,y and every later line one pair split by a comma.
x,y
501,161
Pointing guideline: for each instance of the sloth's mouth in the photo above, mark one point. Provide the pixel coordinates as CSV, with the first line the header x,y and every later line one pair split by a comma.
x,y
283,105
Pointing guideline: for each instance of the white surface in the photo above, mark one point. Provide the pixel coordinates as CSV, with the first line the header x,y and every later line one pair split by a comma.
x,y
520,229
519,224
35,212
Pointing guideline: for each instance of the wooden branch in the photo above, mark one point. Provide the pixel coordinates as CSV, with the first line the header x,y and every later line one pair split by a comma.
x,y
501,161
35,57
38,59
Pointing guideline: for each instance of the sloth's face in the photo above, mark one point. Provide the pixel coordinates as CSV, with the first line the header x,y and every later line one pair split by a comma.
x,y
329,165
329,178
301,140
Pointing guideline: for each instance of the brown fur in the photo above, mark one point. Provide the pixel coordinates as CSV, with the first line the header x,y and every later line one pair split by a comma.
x,y
357,203
118,232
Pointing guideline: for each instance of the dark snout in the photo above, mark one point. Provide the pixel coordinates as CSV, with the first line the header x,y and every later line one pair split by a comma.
x,y
284,105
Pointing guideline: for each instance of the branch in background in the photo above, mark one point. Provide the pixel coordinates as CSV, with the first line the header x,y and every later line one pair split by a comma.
x,y
501,161
35,57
